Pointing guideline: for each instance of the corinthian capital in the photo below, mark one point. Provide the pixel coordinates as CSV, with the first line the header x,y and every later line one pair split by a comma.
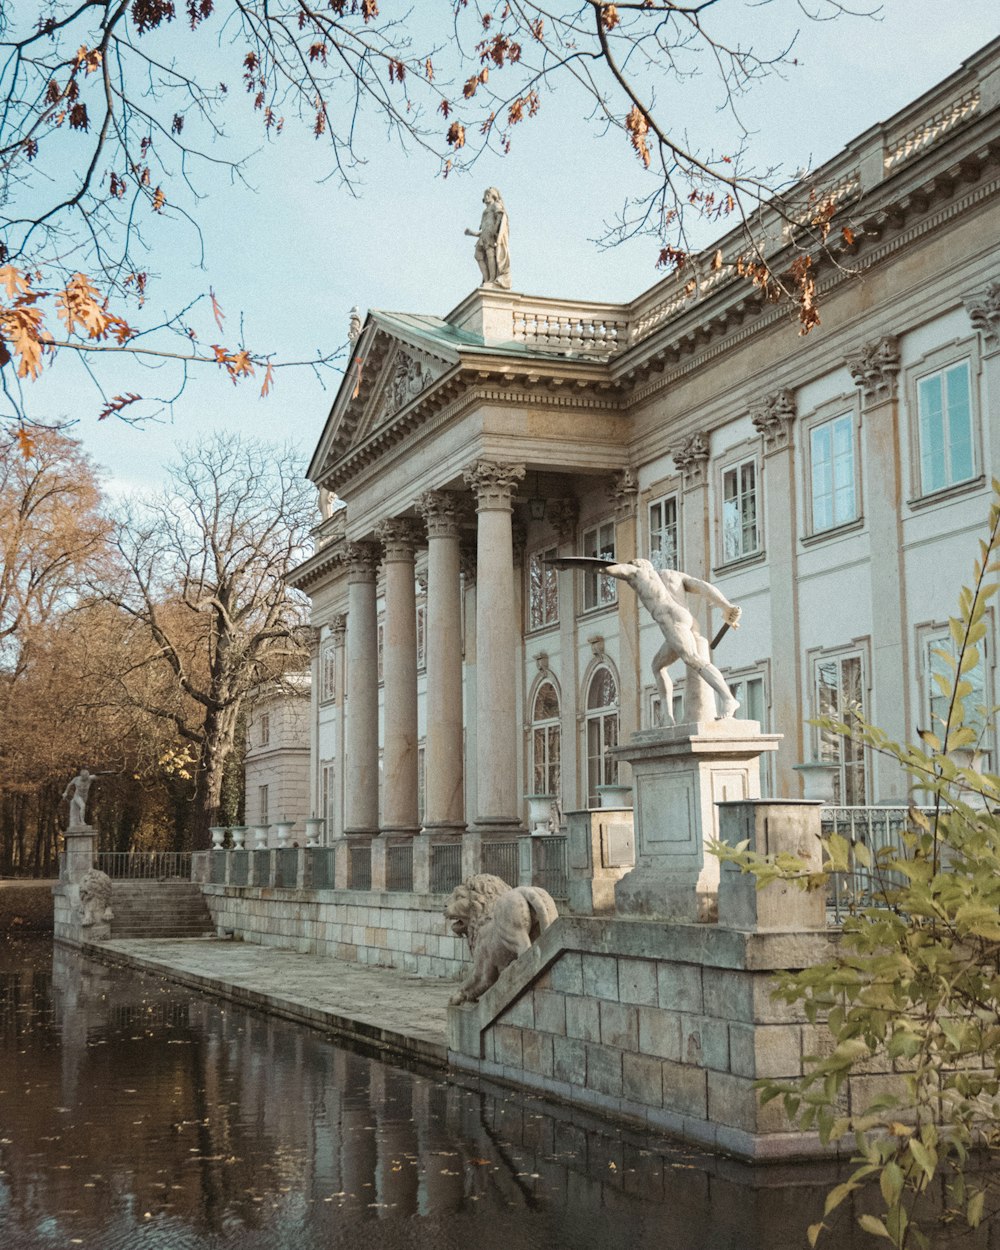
x,y
442,510
494,484
362,561
562,514
338,629
875,369
624,489
984,313
692,458
774,417
398,536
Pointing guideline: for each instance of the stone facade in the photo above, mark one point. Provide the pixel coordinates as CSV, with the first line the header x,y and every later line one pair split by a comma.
x,y
277,765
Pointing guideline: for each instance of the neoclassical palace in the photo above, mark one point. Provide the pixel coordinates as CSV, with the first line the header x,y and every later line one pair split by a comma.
x,y
834,487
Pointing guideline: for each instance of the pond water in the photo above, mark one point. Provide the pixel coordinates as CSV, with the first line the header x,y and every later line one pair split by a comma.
x,y
136,1114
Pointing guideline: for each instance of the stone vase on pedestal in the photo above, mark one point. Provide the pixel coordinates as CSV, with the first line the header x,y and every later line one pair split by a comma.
x,y
218,833
679,773
539,813
260,837
238,833
283,829
314,830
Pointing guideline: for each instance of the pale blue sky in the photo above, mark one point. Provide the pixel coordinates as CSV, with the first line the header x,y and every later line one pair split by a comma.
x,y
294,256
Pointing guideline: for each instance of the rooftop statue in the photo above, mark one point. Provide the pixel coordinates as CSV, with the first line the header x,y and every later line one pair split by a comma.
x,y
493,241
662,593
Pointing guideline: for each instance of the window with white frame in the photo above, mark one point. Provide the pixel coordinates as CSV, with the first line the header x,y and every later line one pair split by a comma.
x,y
833,473
602,733
328,673
327,794
543,589
599,591
944,410
262,805
740,525
546,741
751,690
664,552
938,650
838,692
264,729
421,637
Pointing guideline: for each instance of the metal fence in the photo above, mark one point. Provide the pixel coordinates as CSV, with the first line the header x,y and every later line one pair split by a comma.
x,y
877,828
359,867
446,867
321,867
399,867
261,867
217,867
501,859
551,870
239,867
286,867
144,865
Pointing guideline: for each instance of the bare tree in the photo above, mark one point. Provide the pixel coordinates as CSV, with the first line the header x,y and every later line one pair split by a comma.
x,y
113,110
205,567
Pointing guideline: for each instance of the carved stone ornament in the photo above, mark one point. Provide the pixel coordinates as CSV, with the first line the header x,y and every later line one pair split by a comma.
x,y
774,417
312,634
398,536
338,629
354,329
493,484
875,369
596,642
624,491
984,313
408,379
692,458
362,560
562,515
442,510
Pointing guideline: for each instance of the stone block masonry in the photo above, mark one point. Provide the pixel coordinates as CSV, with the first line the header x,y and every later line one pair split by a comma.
x,y
397,930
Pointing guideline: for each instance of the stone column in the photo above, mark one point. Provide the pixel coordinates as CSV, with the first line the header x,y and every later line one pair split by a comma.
x,y
692,461
399,667
774,418
496,647
315,692
444,798
564,514
338,628
624,490
875,370
361,747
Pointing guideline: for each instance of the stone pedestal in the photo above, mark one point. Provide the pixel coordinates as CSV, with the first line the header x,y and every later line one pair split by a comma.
x,y
601,852
679,774
77,860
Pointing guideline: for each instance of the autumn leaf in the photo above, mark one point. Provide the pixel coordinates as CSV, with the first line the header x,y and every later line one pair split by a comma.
x,y
25,443
159,199
456,135
268,386
638,127
217,312
610,16
14,281
117,404
23,329
848,235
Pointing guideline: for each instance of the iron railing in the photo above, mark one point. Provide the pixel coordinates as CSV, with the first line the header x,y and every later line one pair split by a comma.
x,y
359,867
320,867
239,867
217,865
144,865
551,865
261,867
446,867
286,867
502,860
880,829
399,867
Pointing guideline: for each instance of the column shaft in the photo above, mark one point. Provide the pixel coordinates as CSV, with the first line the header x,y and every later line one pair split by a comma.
x,y
361,747
399,761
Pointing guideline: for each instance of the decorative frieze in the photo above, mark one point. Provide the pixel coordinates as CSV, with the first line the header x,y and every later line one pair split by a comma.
x,y
409,378
624,491
773,418
362,560
692,458
442,510
984,313
875,369
399,537
493,483
562,515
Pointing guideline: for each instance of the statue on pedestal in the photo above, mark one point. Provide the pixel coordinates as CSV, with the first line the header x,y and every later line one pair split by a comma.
x,y
493,241
80,786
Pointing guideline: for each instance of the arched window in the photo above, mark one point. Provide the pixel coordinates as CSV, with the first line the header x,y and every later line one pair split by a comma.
x,y
545,741
602,733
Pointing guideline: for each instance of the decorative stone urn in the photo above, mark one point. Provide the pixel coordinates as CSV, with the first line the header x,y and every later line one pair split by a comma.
x,y
615,796
282,830
238,833
260,837
314,830
539,813
818,780
218,833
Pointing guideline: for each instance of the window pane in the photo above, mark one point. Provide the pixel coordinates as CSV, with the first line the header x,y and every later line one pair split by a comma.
x,y
663,533
603,690
959,423
546,702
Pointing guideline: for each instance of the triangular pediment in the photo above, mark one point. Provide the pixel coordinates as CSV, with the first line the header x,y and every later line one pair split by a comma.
x,y
390,370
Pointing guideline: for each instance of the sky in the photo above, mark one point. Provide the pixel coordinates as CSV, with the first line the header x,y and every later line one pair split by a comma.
x,y
288,258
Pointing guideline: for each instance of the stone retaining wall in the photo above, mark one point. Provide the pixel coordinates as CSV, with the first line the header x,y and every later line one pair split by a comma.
x,y
26,905
398,930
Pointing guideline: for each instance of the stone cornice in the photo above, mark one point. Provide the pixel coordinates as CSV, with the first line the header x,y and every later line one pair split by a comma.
x,y
317,567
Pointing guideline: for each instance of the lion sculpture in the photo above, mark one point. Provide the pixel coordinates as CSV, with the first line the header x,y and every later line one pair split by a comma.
x,y
499,923
95,898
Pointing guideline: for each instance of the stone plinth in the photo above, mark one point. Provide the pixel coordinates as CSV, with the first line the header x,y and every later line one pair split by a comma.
x,y
679,774
790,826
76,861
601,850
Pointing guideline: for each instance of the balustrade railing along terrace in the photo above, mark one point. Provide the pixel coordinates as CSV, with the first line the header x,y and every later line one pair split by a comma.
x,y
877,828
399,867
501,859
144,865
446,867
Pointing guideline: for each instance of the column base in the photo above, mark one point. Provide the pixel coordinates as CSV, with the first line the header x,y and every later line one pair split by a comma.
x,y
399,832
498,827
444,830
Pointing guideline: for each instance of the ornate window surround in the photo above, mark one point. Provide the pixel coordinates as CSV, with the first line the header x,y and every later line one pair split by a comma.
x,y
844,404
937,360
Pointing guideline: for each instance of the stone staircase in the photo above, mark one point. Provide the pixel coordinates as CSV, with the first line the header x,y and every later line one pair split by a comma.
x,y
167,909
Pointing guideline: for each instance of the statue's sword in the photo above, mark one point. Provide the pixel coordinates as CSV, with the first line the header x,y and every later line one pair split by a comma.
x,y
596,562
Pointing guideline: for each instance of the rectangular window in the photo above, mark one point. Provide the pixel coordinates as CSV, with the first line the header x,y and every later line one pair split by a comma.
x,y
327,797
599,591
751,690
421,637
945,423
831,452
677,707
602,767
663,551
262,804
328,673
740,531
543,589
840,690
939,680
265,729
